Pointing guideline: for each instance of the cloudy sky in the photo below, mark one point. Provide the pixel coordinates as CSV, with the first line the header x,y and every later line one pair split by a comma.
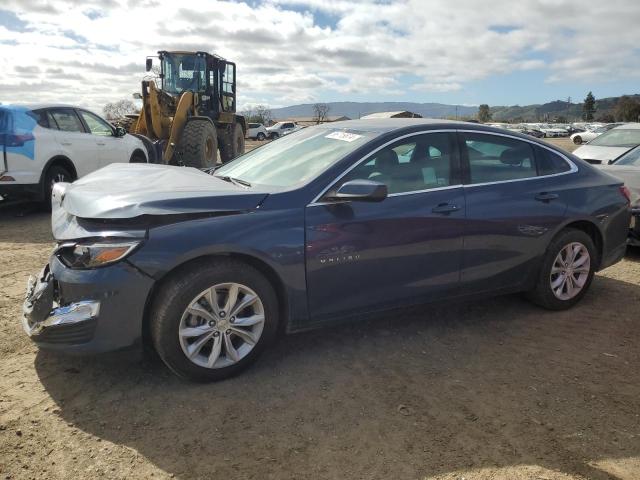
x,y
297,51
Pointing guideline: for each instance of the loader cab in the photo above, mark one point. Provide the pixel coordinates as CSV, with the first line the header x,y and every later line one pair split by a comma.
x,y
211,76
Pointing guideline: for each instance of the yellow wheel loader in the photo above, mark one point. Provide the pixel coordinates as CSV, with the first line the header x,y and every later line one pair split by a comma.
x,y
191,115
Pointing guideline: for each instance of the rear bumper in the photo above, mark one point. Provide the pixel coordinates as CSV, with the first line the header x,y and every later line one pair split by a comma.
x,y
86,311
634,230
20,190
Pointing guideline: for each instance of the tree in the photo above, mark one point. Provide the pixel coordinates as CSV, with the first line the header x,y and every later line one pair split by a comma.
x,y
605,118
484,113
320,112
261,114
589,107
119,109
627,109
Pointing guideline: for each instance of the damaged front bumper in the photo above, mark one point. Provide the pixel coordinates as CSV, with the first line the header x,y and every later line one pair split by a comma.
x,y
85,311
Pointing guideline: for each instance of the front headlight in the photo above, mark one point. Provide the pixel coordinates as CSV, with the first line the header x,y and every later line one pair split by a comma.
x,y
93,255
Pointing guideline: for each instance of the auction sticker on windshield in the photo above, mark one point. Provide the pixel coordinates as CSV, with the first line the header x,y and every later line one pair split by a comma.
x,y
344,136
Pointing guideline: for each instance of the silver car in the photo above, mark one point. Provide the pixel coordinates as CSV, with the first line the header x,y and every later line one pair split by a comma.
x,y
610,145
627,169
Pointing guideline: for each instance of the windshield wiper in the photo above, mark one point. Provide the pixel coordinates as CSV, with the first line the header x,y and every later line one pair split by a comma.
x,y
236,181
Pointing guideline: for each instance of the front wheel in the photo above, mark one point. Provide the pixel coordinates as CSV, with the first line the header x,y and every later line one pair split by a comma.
x,y
577,140
274,136
211,322
260,136
567,271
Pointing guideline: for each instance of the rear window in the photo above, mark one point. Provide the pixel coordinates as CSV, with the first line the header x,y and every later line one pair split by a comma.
x,y
40,116
497,159
618,137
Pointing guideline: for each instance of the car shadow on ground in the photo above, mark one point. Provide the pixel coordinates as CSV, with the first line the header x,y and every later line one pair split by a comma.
x,y
413,393
24,222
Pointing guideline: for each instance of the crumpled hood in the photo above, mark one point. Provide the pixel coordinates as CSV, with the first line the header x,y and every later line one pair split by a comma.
x,y
123,190
596,152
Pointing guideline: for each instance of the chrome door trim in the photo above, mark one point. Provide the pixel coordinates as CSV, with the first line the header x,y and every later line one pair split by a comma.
x,y
573,166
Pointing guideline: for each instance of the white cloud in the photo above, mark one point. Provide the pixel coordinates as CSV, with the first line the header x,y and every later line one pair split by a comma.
x,y
290,51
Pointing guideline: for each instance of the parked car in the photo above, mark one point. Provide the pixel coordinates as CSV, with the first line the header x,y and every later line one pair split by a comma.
x,y
627,169
592,132
256,131
553,131
45,144
610,145
281,128
335,220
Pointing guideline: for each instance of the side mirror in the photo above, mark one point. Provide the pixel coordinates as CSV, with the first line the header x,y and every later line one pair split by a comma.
x,y
149,64
120,132
361,190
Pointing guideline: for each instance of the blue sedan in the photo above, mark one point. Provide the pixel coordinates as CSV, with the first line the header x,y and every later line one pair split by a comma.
x,y
325,224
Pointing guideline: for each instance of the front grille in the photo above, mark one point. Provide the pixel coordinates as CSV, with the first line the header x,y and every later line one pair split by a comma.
x,y
71,334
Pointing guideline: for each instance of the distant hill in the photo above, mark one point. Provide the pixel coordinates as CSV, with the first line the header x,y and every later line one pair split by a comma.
x,y
527,113
355,110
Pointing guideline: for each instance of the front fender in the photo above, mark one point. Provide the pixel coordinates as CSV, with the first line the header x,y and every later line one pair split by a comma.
x,y
274,238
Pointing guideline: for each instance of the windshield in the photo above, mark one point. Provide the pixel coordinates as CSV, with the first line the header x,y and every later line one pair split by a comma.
x,y
183,72
618,137
296,158
630,158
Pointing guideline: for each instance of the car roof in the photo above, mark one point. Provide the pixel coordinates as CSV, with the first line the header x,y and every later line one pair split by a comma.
x,y
37,106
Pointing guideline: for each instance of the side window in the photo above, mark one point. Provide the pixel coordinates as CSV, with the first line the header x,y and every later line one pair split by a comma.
x,y
495,159
67,120
288,125
96,125
550,163
418,163
40,117
51,121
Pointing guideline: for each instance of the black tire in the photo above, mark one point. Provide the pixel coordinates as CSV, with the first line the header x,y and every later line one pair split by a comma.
x,y
577,140
274,136
175,295
198,145
53,175
138,157
235,144
261,136
542,294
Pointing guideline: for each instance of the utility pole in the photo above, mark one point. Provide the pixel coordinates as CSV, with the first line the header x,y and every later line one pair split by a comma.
x,y
568,107
456,112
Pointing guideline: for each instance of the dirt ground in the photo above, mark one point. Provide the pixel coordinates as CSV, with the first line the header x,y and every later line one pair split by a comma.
x,y
492,389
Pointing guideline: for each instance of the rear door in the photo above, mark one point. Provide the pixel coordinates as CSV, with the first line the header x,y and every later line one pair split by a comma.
x,y
515,199
110,148
74,140
362,256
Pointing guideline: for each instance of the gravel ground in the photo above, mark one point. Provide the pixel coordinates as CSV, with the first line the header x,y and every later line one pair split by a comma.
x,y
492,389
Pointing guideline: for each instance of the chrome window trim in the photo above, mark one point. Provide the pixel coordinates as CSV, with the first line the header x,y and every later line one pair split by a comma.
x,y
573,166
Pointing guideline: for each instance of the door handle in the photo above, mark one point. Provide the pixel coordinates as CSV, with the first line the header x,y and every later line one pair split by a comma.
x,y
101,144
66,143
546,197
445,208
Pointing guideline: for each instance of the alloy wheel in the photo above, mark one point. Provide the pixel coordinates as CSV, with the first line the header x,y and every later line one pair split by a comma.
x,y
221,325
570,271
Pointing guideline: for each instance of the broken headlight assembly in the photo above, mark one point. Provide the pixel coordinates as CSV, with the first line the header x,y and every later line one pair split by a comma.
x,y
83,255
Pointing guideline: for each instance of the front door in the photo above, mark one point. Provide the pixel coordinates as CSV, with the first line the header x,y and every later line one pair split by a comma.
x,y
110,149
362,256
75,142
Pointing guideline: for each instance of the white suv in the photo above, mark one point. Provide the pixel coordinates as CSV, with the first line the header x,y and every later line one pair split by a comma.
x,y
44,144
281,128
257,131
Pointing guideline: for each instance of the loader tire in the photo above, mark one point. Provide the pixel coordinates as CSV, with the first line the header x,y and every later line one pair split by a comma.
x,y
198,145
235,147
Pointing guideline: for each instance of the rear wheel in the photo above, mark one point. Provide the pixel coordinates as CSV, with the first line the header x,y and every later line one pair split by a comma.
x,y
55,174
235,147
138,157
261,136
211,322
567,271
198,145
577,140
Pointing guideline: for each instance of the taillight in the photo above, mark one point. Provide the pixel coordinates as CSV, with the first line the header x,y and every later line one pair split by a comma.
x,y
627,194
17,140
